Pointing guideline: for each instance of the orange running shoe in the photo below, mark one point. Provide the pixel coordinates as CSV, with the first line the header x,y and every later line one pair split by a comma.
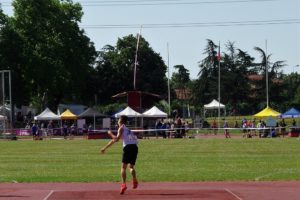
x,y
135,184
123,188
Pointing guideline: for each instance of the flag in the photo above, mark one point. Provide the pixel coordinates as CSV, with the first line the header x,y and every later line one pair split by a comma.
x,y
219,54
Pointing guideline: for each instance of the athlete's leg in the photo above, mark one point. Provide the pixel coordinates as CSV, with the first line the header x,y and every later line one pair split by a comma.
x,y
123,172
123,175
133,173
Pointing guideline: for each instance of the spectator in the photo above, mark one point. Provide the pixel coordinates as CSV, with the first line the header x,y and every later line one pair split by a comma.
x,y
34,131
158,125
214,126
172,131
186,127
179,127
264,132
50,128
164,126
244,126
253,131
226,131
73,129
65,130
282,125
90,128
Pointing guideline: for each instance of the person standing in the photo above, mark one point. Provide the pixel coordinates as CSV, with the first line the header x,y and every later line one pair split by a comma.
x,y
34,131
50,128
130,151
226,131
214,126
282,125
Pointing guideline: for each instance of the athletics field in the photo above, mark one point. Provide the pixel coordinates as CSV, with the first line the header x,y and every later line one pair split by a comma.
x,y
202,168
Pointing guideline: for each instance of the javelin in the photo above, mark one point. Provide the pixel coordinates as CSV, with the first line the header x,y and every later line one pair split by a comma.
x,y
136,54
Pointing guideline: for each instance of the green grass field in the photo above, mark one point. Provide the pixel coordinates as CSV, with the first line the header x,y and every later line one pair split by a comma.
x,y
158,160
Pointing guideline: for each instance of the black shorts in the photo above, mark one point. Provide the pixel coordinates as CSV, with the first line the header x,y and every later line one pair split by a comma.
x,y
130,152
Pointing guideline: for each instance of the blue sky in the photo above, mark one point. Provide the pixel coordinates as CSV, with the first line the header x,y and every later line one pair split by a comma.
x,y
186,44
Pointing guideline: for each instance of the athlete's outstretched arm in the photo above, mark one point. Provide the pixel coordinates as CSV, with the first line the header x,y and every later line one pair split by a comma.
x,y
114,139
111,142
110,133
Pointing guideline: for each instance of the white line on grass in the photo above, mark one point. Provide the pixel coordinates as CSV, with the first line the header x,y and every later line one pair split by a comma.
x,y
50,193
264,176
279,171
236,196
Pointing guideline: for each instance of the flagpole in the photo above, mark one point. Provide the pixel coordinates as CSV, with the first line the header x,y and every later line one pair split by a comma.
x,y
267,74
169,93
135,60
219,86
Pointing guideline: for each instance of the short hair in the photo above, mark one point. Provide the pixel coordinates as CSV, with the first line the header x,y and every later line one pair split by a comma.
x,y
124,119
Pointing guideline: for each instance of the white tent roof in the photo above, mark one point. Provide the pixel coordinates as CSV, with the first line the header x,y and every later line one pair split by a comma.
x,y
47,114
129,112
2,117
154,112
214,105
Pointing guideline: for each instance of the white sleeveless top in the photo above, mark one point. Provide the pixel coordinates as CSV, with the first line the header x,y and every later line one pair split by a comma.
x,y
128,137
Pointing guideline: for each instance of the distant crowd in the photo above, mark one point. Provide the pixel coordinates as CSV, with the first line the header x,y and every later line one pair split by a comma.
x,y
259,128
176,128
39,130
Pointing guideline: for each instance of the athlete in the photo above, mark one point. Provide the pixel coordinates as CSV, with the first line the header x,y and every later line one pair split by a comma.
x,y
130,151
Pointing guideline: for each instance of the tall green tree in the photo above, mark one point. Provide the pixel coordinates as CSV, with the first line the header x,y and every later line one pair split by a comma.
x,y
115,69
59,54
181,78
275,76
181,84
235,65
235,87
291,91
12,58
206,86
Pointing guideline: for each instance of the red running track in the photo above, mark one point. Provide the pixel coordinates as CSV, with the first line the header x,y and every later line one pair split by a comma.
x,y
277,190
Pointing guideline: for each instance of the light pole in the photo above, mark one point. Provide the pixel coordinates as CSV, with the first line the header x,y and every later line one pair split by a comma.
x,y
294,68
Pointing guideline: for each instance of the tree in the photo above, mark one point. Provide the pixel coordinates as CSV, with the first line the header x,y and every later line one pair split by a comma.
x,y
59,57
274,78
235,87
234,67
290,91
180,83
11,58
115,69
206,86
181,78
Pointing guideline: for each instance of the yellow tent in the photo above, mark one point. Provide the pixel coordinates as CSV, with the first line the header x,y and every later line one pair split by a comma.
x,y
67,115
267,112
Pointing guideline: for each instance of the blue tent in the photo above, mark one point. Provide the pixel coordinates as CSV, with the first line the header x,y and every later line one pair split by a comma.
x,y
293,112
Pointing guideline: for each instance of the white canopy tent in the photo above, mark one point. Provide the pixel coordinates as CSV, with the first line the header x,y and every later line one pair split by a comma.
x,y
47,114
155,112
2,118
214,104
129,112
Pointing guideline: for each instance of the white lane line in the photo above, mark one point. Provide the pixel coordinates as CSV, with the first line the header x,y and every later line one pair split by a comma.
x,y
50,193
236,196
